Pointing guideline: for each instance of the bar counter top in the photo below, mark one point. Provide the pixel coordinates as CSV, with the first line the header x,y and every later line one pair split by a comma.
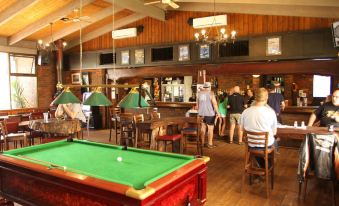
x,y
175,104
295,109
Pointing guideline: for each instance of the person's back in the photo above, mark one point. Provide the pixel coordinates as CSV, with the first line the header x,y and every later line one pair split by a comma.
x,y
205,104
236,103
274,101
259,119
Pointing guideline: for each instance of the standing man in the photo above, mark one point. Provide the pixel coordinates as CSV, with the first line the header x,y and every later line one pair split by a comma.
x,y
236,105
328,113
207,108
276,101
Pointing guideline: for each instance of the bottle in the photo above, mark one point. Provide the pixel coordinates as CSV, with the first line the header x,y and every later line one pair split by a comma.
x,y
295,124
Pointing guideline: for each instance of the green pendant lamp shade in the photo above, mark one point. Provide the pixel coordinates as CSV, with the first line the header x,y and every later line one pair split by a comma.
x,y
132,100
66,97
97,98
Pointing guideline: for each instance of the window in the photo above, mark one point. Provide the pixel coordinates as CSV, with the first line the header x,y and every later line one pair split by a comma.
x,y
321,86
18,81
22,64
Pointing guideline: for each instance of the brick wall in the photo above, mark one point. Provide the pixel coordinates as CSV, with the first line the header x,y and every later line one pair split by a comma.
x,y
47,80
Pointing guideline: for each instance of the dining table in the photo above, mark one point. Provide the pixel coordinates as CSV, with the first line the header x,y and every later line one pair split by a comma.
x,y
159,127
298,133
56,129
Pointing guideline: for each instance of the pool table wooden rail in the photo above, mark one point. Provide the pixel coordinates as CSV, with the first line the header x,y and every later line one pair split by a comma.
x,y
34,184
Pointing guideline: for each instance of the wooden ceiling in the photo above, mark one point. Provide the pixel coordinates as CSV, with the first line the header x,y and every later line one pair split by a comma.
x,y
30,19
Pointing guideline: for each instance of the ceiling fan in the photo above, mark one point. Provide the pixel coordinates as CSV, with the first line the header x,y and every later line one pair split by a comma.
x,y
75,17
168,2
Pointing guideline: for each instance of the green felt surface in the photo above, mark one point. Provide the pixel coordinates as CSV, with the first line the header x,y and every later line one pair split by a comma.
x,y
138,167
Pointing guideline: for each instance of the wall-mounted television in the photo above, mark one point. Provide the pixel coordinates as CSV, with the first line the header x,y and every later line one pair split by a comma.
x,y
107,58
162,54
321,86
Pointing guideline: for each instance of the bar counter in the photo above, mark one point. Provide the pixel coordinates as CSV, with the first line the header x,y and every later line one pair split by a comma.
x,y
299,114
170,109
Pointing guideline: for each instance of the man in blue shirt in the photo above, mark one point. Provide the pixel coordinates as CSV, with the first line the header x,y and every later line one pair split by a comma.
x,y
276,101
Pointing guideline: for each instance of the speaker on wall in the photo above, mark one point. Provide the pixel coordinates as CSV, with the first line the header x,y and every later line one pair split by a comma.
x,y
335,30
43,57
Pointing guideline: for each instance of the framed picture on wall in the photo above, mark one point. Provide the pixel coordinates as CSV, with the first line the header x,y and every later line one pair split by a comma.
x,y
273,46
125,57
184,52
76,78
139,55
204,51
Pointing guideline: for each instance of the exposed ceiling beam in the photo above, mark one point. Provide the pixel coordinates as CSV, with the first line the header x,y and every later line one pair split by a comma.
x,y
105,29
75,26
139,7
52,17
333,3
282,10
14,9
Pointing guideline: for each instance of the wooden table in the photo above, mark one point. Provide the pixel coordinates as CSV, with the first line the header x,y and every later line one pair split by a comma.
x,y
53,126
299,134
56,126
157,124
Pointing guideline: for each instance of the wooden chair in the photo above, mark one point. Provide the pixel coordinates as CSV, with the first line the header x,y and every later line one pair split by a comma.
x,y
155,115
140,133
127,128
113,123
9,131
32,133
192,130
252,166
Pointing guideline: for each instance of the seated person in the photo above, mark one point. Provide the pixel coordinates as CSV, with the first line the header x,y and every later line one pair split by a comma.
x,y
72,111
328,113
260,118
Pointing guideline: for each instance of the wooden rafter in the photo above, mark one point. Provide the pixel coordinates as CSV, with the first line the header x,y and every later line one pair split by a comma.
x,y
14,9
45,21
75,27
108,28
281,8
139,7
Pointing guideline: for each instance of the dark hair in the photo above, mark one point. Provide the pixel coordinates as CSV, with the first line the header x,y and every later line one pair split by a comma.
x,y
222,96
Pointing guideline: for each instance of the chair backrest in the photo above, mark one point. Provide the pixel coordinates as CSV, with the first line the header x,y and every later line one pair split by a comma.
x,y
113,111
256,139
14,118
139,118
36,115
155,115
3,129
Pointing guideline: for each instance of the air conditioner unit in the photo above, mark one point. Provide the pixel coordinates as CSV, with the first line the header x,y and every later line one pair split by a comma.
x,y
210,21
124,33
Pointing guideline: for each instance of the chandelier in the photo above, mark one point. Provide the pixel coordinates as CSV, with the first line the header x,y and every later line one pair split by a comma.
x,y
212,34
49,46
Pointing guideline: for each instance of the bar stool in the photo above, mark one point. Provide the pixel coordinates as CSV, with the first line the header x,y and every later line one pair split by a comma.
x,y
127,128
252,166
114,123
169,139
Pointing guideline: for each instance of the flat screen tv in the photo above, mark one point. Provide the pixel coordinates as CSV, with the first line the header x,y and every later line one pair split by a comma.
x,y
107,58
162,54
321,86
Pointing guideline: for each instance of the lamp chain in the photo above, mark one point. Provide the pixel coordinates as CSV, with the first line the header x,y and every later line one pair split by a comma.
x,y
80,41
113,43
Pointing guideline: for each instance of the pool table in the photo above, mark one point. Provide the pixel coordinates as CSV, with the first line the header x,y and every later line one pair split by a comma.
x,y
79,172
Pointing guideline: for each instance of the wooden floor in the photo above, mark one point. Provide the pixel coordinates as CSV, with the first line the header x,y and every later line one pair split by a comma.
x,y
225,175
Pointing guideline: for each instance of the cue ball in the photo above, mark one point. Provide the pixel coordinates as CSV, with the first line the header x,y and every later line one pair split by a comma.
x,y
119,159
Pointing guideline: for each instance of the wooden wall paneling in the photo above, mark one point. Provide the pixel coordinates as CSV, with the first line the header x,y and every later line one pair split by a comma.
x,y
176,29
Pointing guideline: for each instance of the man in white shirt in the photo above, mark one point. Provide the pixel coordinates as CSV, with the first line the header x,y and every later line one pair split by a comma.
x,y
260,118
